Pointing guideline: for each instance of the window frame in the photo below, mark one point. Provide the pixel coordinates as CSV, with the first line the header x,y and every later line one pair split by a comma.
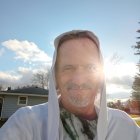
x,y
20,100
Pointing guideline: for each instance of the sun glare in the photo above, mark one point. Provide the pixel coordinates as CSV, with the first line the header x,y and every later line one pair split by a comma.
x,y
119,70
119,78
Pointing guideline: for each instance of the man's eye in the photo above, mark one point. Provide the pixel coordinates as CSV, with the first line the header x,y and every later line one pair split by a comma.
x,y
68,68
91,68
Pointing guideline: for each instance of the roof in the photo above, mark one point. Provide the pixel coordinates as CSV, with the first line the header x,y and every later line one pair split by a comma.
x,y
33,91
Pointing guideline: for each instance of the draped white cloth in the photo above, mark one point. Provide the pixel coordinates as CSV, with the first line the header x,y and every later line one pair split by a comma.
x,y
31,123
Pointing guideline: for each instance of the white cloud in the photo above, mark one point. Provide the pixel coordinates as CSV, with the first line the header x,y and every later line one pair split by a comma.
x,y
24,70
118,91
114,89
15,79
2,50
22,77
27,51
125,80
8,79
34,58
6,76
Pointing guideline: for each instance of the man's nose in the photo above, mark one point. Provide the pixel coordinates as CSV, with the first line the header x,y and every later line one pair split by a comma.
x,y
79,76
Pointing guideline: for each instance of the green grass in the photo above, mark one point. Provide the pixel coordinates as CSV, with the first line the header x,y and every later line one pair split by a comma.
x,y
136,118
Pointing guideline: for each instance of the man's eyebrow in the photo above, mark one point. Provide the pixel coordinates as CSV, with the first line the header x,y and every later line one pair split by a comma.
x,y
68,65
76,65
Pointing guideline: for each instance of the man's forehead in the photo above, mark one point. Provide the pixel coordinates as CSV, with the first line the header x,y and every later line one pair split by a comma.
x,y
76,34
76,53
77,46
85,38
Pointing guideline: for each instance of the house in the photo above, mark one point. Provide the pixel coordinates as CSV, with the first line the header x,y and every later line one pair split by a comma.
x,y
12,100
135,106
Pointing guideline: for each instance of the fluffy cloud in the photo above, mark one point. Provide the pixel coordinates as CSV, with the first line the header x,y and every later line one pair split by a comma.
x,y
29,53
26,51
8,79
125,81
22,77
4,76
16,79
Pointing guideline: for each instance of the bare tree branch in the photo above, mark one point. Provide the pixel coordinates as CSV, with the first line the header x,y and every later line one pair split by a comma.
x,y
41,79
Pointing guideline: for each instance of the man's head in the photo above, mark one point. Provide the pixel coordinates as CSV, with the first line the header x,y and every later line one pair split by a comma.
x,y
78,73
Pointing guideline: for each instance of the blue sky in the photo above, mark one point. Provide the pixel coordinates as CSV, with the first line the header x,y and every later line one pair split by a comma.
x,y
28,28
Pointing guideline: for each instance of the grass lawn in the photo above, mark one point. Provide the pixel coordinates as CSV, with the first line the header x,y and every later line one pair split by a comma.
x,y
136,118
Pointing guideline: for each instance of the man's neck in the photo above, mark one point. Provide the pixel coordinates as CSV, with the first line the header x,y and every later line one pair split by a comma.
x,y
87,113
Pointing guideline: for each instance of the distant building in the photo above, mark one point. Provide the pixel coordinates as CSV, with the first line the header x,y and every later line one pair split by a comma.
x,y
12,100
135,106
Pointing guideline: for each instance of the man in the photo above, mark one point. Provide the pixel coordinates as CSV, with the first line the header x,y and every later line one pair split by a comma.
x,y
76,108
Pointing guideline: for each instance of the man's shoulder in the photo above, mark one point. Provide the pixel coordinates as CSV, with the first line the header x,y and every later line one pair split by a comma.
x,y
116,113
30,113
38,107
37,110
121,126
24,121
118,116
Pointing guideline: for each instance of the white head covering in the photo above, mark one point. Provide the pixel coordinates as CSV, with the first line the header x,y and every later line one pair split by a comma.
x,y
53,104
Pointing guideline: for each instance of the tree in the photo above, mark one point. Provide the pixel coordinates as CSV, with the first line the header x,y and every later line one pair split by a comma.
x,y
137,46
136,87
40,79
1,87
136,83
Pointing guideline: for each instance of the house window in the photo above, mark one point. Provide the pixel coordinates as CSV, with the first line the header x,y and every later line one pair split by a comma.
x,y
22,100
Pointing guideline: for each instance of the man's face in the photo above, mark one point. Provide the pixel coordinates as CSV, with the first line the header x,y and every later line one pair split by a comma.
x,y
78,73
